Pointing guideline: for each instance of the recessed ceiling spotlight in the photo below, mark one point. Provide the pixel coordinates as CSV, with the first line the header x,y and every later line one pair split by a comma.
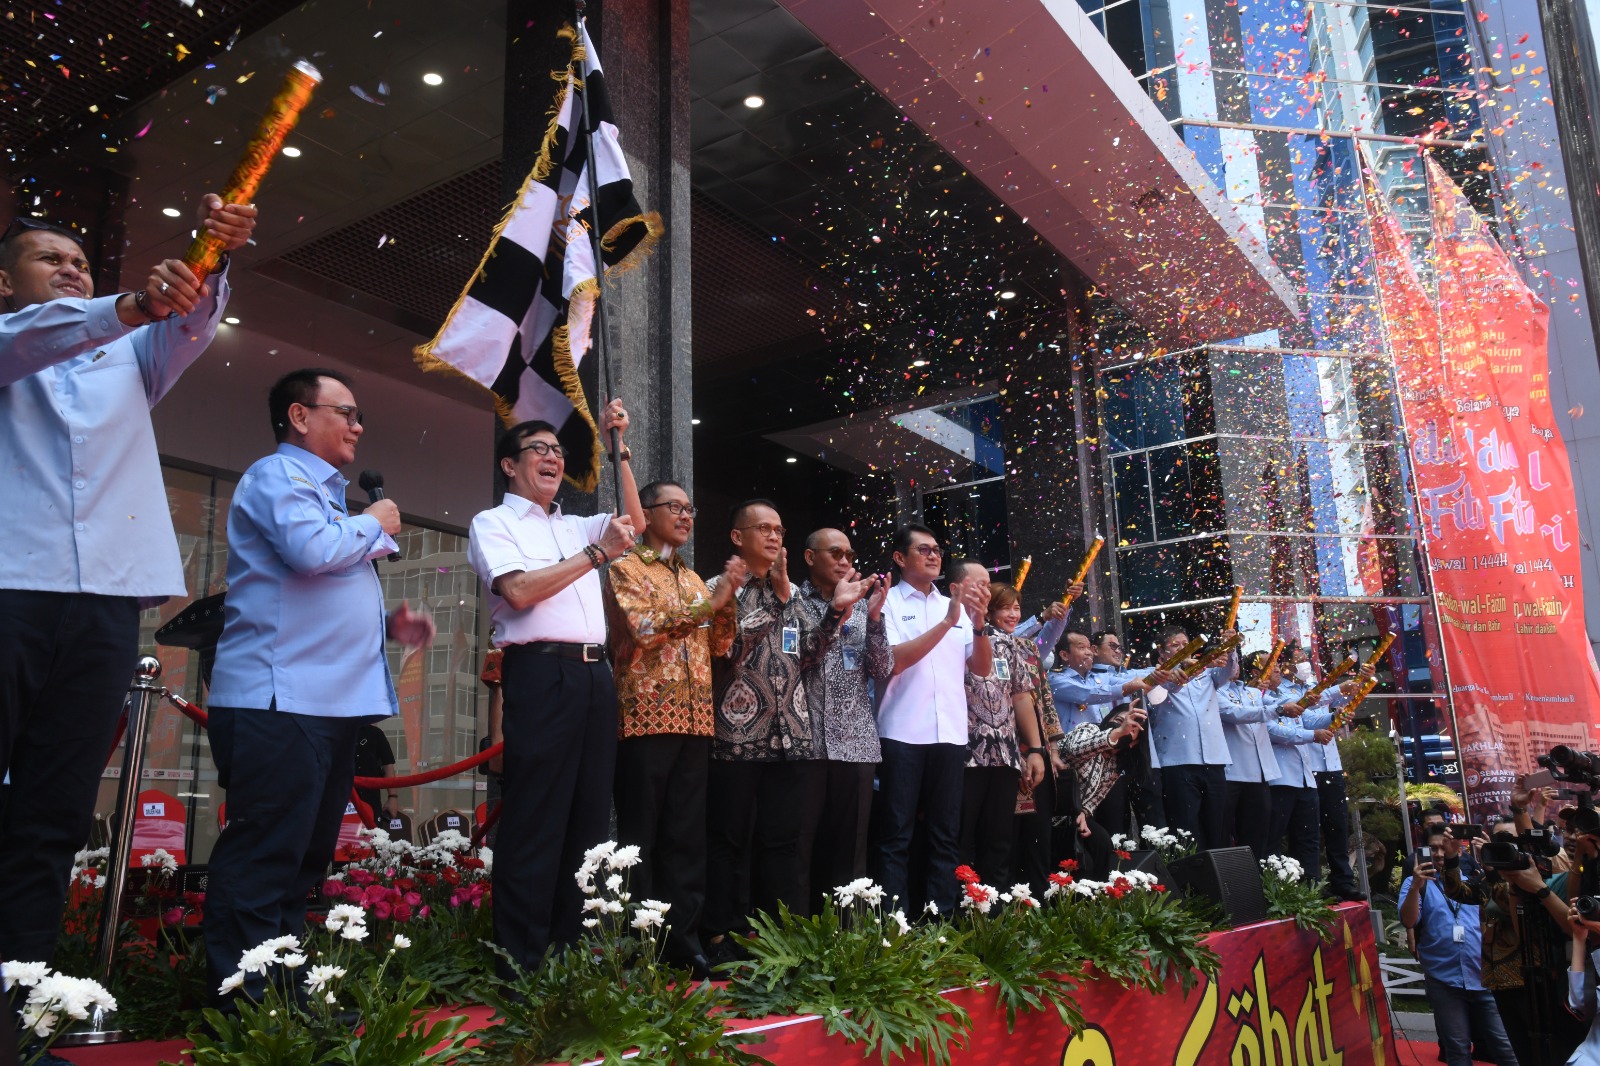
x,y
694,421
291,151
919,362
1008,295
791,459
431,78
231,320
171,212
753,101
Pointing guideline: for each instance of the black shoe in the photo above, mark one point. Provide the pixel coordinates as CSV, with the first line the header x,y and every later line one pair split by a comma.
x,y
1348,895
726,950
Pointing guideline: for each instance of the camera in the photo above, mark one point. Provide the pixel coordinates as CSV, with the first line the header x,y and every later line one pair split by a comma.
x,y
1501,855
1572,765
1588,908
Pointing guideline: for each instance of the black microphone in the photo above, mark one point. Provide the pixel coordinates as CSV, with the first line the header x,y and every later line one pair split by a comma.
x,y
371,483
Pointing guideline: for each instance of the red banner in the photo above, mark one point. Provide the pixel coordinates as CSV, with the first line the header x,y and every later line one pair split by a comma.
x,y
1494,496
1282,996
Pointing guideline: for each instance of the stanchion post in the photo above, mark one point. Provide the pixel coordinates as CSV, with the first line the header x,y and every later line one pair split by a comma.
x,y
142,697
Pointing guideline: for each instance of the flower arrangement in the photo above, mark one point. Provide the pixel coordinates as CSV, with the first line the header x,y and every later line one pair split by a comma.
x,y
304,988
1010,947
1290,895
610,994
53,998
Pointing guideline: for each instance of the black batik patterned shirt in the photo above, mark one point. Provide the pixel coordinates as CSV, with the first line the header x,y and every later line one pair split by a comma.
x,y
991,720
762,714
836,684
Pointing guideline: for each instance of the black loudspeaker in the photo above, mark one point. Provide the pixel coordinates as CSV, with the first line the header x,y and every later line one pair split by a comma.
x,y
1149,862
1230,877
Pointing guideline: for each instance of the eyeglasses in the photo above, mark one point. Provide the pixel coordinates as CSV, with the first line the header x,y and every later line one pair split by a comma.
x,y
352,415
542,448
928,551
23,223
678,509
841,553
766,529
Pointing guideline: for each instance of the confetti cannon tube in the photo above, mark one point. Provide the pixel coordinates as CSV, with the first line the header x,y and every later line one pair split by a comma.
x,y
1022,572
206,251
1327,682
1347,713
1233,607
1272,660
1183,653
1083,567
1221,651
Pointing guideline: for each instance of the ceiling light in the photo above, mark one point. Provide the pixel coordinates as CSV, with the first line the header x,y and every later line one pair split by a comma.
x,y
919,362
753,101
791,459
1008,295
694,421
230,320
291,151
431,78
171,212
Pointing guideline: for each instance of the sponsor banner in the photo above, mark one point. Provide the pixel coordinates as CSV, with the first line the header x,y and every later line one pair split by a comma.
x,y
1282,996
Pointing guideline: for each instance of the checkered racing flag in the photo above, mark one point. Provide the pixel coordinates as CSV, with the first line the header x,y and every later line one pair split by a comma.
x,y
521,327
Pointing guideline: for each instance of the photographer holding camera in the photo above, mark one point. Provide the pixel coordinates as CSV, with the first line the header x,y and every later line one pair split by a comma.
x,y
1450,949
1524,928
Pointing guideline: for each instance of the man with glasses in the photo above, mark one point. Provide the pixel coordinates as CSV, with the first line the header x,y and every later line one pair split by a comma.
x,y
766,759
922,719
559,697
88,535
300,668
839,691
665,628
1139,783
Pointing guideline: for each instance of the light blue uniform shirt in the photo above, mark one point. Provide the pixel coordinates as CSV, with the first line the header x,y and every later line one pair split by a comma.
x,y
1244,722
303,622
1185,729
1295,741
1457,963
1319,757
85,509
1086,699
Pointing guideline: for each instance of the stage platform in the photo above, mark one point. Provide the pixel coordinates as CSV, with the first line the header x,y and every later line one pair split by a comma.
x,y
1283,996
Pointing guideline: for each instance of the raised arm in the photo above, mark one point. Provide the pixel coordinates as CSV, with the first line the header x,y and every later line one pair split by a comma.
x,y
506,572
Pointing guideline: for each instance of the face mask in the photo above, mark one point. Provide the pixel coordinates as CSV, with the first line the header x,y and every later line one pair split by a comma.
x,y
1303,672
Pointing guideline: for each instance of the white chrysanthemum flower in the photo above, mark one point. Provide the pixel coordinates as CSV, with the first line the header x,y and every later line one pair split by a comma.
x,y
26,974
931,908
613,882
160,858
486,856
655,905
900,922
343,914
402,941
590,923
887,944
624,857
644,919
600,852
1123,843
613,906
318,977
353,931
258,958
231,984
872,895
594,903
293,961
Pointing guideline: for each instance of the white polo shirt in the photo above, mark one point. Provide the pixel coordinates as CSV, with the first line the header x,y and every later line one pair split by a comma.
x,y
519,535
927,702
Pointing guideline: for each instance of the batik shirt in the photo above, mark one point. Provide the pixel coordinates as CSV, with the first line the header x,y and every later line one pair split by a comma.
x,y
663,635
991,720
759,692
836,684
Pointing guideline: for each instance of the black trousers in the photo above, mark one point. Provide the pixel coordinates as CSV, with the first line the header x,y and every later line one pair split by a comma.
x,y
1094,852
1335,822
1294,828
288,778
836,824
66,661
1250,816
560,725
755,819
988,805
1196,798
1114,814
1033,857
661,807
1145,792
925,778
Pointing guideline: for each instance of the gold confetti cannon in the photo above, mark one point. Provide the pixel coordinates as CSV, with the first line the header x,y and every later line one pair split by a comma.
x,y
1233,608
1022,572
1272,660
206,251
1083,567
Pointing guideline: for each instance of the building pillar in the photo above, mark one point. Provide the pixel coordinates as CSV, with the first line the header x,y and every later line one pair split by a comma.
x,y
1054,500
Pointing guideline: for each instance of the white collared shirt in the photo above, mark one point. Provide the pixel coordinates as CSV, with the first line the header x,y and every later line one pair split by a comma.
x,y
927,702
519,535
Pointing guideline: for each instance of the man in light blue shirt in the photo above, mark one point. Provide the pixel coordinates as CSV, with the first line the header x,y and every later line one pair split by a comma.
x,y
1297,733
87,534
1252,767
300,667
1333,813
1187,739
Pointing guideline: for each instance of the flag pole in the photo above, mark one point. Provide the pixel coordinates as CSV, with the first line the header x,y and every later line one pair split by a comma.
x,y
598,333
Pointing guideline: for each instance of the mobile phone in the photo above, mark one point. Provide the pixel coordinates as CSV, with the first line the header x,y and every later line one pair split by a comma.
x,y
1538,779
1467,832
1420,856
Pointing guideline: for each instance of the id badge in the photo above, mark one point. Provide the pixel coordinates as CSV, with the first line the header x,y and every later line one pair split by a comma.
x,y
1002,669
852,660
1458,933
791,640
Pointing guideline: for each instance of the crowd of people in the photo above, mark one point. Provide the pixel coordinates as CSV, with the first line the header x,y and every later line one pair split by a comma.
x,y
760,741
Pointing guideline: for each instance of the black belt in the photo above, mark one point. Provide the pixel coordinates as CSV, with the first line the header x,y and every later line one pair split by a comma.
x,y
583,653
